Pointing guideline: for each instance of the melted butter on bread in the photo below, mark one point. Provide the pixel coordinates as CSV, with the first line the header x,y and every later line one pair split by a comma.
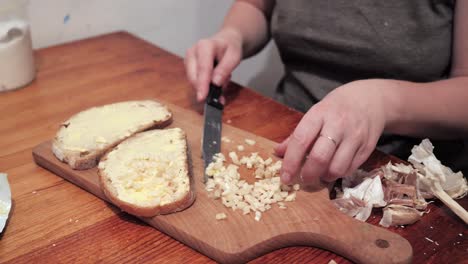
x,y
91,128
149,169
86,136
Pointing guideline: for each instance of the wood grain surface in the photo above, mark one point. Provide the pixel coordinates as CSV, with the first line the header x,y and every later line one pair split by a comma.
x,y
310,220
54,221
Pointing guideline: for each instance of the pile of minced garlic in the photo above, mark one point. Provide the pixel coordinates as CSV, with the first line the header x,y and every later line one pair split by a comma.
x,y
225,183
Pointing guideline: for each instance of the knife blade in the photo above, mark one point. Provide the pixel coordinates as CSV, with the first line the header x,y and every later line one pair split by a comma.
x,y
211,139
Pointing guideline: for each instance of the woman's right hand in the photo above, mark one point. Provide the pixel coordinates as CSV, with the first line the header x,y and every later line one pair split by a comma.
x,y
226,48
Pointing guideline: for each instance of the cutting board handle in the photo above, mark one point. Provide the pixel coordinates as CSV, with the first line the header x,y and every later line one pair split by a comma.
x,y
358,241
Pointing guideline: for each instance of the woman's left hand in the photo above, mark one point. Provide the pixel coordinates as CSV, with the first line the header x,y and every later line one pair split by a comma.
x,y
337,134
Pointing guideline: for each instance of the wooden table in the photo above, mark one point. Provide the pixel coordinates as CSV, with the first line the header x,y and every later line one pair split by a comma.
x,y
54,221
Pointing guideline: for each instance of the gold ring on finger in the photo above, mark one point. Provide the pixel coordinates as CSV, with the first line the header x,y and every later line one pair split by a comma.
x,y
330,138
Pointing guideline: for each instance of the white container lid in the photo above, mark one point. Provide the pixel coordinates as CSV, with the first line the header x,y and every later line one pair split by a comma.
x,y
5,200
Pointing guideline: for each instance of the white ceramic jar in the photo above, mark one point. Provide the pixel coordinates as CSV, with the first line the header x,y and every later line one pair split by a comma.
x,y
17,68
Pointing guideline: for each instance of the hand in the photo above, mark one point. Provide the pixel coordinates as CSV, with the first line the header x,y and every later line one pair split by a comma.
x,y
337,134
226,48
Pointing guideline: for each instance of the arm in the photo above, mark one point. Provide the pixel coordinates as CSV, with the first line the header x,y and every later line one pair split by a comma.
x,y
249,19
340,132
437,109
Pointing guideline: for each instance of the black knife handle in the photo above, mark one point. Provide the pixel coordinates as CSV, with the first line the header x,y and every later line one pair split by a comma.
x,y
213,96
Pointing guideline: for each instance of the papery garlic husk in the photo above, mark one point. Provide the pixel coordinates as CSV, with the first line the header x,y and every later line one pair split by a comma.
x,y
350,206
424,160
394,215
455,185
403,194
397,172
370,191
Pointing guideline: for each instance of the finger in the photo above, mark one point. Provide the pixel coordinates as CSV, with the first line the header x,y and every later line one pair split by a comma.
x,y
362,154
228,61
205,59
342,160
302,137
318,160
191,66
222,99
280,148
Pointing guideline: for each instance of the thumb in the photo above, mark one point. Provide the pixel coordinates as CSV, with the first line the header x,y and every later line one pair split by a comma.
x,y
228,61
280,149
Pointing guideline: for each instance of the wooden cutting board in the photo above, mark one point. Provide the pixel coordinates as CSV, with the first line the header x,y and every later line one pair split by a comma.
x,y
311,220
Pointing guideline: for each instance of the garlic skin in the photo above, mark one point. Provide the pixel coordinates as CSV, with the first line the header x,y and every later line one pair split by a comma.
x,y
402,189
431,169
434,177
370,192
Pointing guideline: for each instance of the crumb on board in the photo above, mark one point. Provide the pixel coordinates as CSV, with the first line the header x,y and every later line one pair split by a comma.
x,y
428,239
250,142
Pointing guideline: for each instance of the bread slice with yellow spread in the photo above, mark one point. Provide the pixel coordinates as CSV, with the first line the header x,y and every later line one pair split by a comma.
x,y
86,136
148,174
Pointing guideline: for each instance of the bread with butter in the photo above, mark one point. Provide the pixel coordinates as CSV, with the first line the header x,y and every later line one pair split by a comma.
x,y
149,173
86,136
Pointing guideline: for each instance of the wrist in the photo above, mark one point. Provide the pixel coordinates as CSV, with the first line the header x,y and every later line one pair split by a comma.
x,y
393,103
231,35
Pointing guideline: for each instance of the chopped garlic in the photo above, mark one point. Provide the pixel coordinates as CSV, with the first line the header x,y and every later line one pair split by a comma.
x,y
226,139
224,183
281,205
291,197
221,216
250,142
234,158
240,148
258,216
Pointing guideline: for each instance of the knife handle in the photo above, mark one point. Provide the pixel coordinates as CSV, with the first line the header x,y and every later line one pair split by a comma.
x,y
213,96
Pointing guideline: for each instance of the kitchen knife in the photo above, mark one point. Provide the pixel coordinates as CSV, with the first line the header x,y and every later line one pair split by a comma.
x,y
211,139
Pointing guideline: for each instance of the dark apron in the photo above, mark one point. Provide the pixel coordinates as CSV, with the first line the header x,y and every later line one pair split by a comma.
x,y
326,43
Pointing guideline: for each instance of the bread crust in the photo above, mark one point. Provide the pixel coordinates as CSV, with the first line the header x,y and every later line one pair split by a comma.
x,y
89,159
149,211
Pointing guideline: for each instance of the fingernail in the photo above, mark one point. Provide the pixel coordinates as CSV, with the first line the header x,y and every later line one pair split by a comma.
x,y
285,177
199,96
217,79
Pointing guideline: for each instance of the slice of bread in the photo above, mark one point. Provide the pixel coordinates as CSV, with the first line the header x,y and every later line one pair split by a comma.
x,y
148,174
86,136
